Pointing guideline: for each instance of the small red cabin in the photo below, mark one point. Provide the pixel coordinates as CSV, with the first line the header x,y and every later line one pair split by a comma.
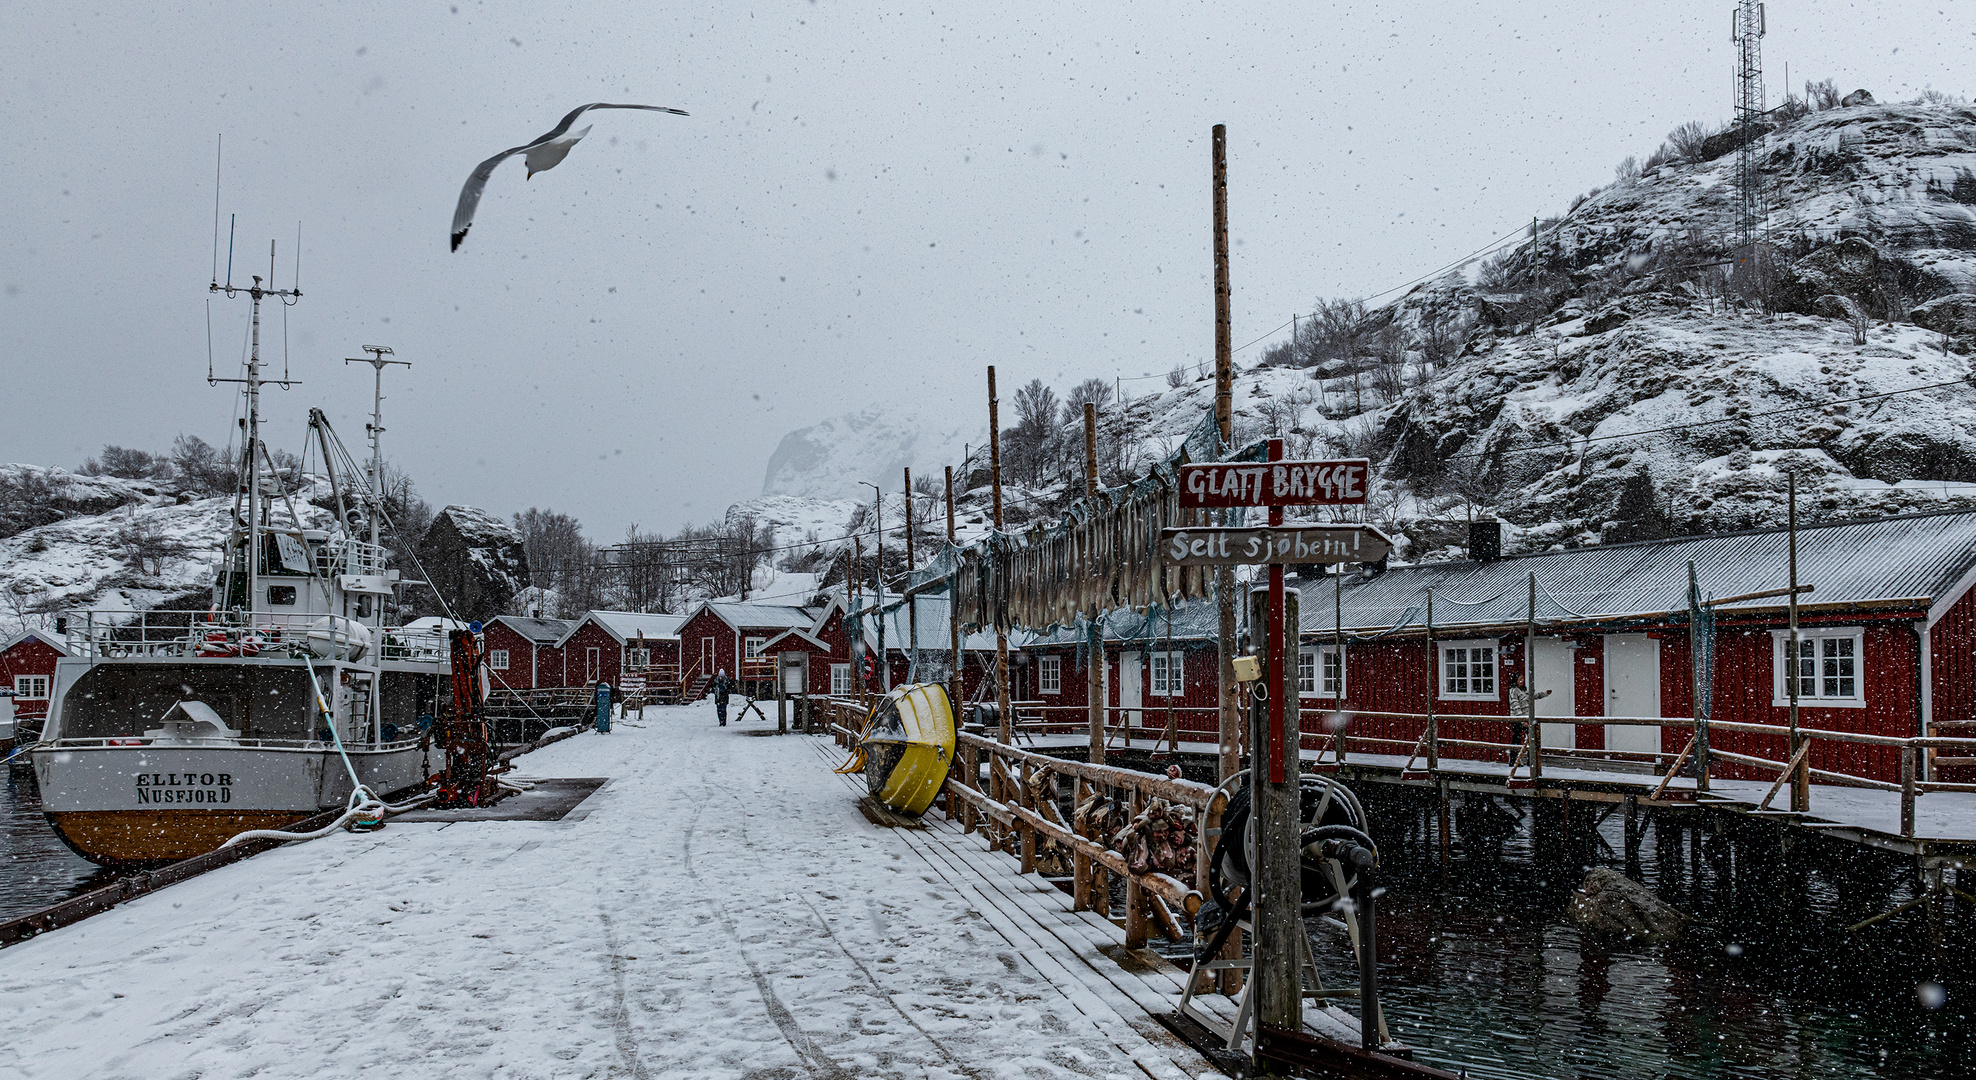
x,y
720,636
522,652
27,666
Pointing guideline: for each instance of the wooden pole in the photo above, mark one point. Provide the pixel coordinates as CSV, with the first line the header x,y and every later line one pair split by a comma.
x,y
1094,665
1224,384
1278,988
1433,667
958,686
1696,706
856,593
912,602
1530,685
1338,644
1800,778
1007,733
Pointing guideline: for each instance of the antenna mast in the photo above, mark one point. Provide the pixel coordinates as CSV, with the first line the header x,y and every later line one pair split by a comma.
x,y
1746,30
253,383
377,361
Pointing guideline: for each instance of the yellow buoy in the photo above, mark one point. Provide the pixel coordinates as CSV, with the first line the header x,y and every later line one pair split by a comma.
x,y
907,746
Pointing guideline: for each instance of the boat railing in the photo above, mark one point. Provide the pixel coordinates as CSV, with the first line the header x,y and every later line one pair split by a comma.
x,y
352,556
311,745
162,633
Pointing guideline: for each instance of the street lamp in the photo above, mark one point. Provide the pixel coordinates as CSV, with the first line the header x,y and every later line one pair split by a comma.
x,y
878,579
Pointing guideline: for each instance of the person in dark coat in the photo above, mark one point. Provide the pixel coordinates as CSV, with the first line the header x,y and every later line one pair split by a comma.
x,y
722,686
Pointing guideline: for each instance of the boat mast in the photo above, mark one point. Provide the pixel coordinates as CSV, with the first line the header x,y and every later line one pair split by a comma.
x,y
253,383
377,361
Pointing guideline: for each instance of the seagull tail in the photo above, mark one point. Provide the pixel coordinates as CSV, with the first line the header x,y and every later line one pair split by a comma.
x,y
457,237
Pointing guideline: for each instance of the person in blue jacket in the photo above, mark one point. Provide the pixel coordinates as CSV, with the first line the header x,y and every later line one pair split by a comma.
x,y
722,686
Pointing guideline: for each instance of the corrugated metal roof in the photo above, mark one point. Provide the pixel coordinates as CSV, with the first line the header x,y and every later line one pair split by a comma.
x,y
1917,556
540,631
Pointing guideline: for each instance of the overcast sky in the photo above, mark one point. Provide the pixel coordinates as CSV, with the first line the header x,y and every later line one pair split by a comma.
x,y
868,204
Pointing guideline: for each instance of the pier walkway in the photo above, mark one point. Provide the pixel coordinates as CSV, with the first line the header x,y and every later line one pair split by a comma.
x,y
719,909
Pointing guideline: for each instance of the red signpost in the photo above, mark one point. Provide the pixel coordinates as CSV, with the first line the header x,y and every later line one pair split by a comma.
x,y
1274,484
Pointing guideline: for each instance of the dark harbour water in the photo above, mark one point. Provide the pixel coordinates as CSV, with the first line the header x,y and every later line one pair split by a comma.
x,y
36,868
1481,970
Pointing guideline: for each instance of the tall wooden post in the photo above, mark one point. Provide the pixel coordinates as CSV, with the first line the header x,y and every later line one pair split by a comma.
x,y
1094,666
854,589
1007,733
1433,674
912,602
1696,706
1278,988
1338,644
1800,776
1224,382
1536,747
957,684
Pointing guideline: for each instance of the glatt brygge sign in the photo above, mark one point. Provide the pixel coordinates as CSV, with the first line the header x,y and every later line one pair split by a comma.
x,y
1283,545
1274,483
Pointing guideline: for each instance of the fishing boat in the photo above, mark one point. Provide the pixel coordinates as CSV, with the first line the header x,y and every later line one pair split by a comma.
x,y
169,732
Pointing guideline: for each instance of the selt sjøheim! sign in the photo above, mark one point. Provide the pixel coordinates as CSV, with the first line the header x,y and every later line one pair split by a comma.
x,y
1274,483
1282,545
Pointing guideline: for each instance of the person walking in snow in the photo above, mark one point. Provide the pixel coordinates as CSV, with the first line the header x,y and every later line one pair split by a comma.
x,y
1522,705
722,686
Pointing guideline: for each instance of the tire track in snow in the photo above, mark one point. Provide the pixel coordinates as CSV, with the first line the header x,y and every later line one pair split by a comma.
x,y
627,1042
800,1043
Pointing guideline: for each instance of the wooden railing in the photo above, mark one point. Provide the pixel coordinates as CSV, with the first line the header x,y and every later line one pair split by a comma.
x,y
1527,755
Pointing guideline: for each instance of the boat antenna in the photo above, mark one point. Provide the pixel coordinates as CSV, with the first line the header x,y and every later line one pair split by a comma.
x,y
378,363
219,146
255,451
231,221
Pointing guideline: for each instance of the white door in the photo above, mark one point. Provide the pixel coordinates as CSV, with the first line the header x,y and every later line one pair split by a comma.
x,y
1632,681
1131,690
1553,673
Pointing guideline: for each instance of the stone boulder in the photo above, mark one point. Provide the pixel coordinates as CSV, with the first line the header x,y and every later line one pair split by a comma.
x,y
1857,97
1954,315
474,560
1609,902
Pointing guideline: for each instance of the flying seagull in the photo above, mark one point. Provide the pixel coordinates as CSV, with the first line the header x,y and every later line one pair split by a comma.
x,y
545,152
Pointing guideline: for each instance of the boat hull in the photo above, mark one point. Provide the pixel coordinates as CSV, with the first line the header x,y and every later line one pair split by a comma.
x,y
149,804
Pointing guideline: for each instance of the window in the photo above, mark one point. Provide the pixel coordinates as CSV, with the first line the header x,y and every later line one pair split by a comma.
x,y
591,657
1318,673
1169,673
283,595
637,659
497,659
1468,670
840,680
754,646
1049,675
31,687
1827,668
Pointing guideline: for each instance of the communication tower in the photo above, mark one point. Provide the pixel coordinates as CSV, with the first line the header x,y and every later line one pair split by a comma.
x,y
1746,31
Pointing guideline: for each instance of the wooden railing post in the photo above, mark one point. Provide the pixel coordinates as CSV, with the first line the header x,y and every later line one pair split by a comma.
x,y
1026,800
1907,790
1080,863
1135,894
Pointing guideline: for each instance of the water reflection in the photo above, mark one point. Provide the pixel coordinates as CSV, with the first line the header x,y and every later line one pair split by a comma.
x,y
36,868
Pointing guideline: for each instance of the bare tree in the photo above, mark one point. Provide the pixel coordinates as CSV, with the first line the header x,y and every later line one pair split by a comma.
x,y
145,546
1177,378
198,465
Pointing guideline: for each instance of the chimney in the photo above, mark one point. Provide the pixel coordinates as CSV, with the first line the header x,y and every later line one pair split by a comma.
x,y
1485,540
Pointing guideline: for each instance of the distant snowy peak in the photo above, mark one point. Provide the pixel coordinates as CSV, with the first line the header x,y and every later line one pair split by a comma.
x,y
833,459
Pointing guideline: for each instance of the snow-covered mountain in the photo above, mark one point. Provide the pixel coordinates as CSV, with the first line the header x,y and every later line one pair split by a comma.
x,y
833,458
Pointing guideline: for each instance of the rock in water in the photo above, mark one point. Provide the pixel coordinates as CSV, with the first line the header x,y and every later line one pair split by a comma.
x,y
1609,902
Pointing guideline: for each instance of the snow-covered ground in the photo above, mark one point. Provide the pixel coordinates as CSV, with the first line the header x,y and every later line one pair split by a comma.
x,y
721,910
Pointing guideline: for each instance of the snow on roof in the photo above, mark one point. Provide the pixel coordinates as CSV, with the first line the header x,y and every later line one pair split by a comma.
x,y
750,616
625,625
1918,557
540,631
44,636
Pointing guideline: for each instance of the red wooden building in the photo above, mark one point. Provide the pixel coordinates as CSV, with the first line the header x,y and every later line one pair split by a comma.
x,y
731,637
27,667
604,645
522,652
1887,642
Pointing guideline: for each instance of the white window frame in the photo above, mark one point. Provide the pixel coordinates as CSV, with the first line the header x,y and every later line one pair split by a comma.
x,y
1471,669
752,647
1836,639
840,680
637,659
1317,672
1162,665
1049,675
593,663
31,688
497,659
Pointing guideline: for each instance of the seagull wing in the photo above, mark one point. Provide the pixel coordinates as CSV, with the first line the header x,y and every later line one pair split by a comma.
x,y
470,194
477,182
